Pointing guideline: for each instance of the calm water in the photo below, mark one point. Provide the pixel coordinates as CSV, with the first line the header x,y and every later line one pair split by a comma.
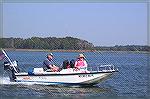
x,y
131,80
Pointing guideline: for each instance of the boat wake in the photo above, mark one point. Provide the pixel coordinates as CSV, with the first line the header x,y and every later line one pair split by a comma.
x,y
6,81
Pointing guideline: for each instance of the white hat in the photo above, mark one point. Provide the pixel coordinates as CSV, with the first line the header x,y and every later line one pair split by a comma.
x,y
81,55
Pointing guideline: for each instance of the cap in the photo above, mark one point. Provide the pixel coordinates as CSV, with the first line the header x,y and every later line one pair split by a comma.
x,y
51,54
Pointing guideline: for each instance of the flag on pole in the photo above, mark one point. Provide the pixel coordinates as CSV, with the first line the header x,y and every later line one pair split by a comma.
x,y
2,56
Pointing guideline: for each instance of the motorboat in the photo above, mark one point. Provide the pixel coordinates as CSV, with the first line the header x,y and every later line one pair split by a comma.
x,y
70,76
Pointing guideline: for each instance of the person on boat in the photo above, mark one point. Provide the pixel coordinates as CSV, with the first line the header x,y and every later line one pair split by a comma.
x,y
66,64
49,64
80,63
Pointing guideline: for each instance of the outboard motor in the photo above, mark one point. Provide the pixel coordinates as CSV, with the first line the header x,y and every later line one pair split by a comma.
x,y
10,69
7,66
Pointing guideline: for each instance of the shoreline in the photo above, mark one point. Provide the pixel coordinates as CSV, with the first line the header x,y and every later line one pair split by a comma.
x,y
58,50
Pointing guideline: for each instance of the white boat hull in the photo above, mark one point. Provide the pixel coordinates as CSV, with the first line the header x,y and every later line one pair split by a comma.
x,y
59,78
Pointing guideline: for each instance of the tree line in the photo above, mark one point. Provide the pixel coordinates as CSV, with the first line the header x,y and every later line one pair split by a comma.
x,y
50,43
66,43
124,48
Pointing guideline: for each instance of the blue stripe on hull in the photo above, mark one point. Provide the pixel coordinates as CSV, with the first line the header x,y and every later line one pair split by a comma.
x,y
52,83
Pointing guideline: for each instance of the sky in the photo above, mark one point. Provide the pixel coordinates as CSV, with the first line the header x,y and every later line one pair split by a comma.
x,y
103,24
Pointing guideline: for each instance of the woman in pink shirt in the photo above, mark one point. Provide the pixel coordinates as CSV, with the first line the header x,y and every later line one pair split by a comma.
x,y
81,63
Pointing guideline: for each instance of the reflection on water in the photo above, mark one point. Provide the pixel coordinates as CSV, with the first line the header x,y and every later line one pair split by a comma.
x,y
67,91
53,91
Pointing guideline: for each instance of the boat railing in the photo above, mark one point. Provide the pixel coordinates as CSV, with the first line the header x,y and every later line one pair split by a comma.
x,y
103,68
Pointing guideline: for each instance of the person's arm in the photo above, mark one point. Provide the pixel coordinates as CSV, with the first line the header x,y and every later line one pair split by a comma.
x,y
48,64
85,63
51,66
75,65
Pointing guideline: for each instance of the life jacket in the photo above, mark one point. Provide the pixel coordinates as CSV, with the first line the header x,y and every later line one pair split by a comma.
x,y
80,63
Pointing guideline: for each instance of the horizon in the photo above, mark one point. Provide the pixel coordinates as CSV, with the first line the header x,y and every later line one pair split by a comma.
x,y
102,24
